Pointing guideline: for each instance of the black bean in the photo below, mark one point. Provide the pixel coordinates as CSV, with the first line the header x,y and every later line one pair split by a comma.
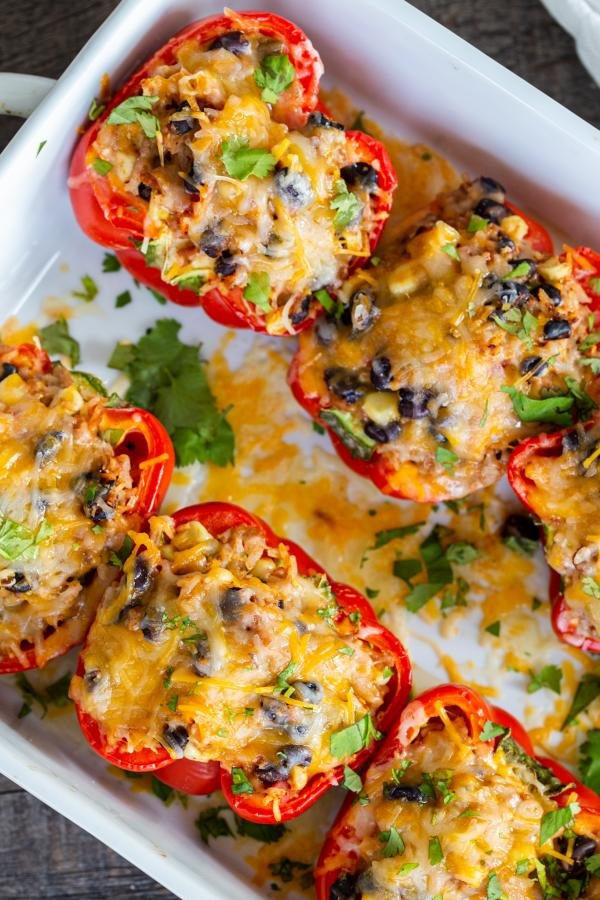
x,y
344,383
225,264
230,605
319,120
519,525
381,373
151,628
293,187
94,502
7,369
176,737
48,447
127,616
583,847
195,174
301,311
383,434
142,579
513,293
363,311
234,41
557,329
202,658
412,402
491,210
405,792
92,678
311,691
345,888
190,188
552,292
289,756
505,243
325,330
490,186
183,126
362,175
144,191
18,584
278,714
212,243
533,364
570,441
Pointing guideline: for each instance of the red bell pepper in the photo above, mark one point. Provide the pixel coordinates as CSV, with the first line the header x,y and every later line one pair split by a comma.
x,y
229,307
144,441
112,219
587,271
341,851
568,626
202,778
537,236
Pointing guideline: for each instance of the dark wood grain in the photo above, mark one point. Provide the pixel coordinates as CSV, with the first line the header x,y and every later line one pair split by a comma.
x,y
42,855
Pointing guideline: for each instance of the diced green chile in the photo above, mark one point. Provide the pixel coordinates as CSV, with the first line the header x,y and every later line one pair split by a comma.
x,y
350,432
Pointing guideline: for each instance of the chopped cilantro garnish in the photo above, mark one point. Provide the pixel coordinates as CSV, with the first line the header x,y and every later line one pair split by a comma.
x,y
521,269
492,730
586,692
101,166
283,685
56,340
548,677
446,458
393,843
494,888
450,250
258,289
19,542
553,821
211,824
352,780
239,782
346,205
110,263
476,223
589,760
89,289
493,628
345,743
136,110
123,299
41,146
436,853
169,379
96,109
241,161
274,75
550,409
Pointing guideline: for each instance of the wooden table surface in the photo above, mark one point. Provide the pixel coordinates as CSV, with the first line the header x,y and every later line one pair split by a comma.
x,y
43,855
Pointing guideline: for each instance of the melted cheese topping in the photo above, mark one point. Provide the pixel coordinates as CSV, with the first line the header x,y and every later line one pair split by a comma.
x,y
204,227
564,493
463,814
220,650
449,326
64,497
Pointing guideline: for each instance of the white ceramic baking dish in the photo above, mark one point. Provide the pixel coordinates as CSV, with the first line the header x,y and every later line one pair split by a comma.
x,y
420,81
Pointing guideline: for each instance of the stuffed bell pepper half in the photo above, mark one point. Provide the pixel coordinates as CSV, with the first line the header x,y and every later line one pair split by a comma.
x,y
463,341
225,657
75,474
456,804
220,181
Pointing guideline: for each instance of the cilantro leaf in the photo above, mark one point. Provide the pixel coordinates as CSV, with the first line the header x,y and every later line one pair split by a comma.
x,y
492,730
589,760
101,166
96,109
461,553
54,694
393,843
110,263
258,289
548,677
384,537
436,854
550,409
169,379
211,824
241,161
451,251
41,146
494,628
594,283
239,782
346,205
494,888
136,110
592,863
584,402
56,340
352,780
89,289
19,542
446,458
406,569
594,364
123,299
556,819
590,587
283,685
274,75
586,692
350,740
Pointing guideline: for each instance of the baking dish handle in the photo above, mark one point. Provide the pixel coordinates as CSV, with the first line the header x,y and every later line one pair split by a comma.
x,y
20,93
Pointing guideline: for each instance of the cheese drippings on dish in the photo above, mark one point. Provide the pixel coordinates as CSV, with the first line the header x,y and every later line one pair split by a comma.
x,y
448,817
64,502
564,493
217,649
235,197
443,340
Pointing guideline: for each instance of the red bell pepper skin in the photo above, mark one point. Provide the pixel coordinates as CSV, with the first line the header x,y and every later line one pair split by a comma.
x,y
566,623
586,273
456,700
229,308
537,235
148,446
111,219
202,778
